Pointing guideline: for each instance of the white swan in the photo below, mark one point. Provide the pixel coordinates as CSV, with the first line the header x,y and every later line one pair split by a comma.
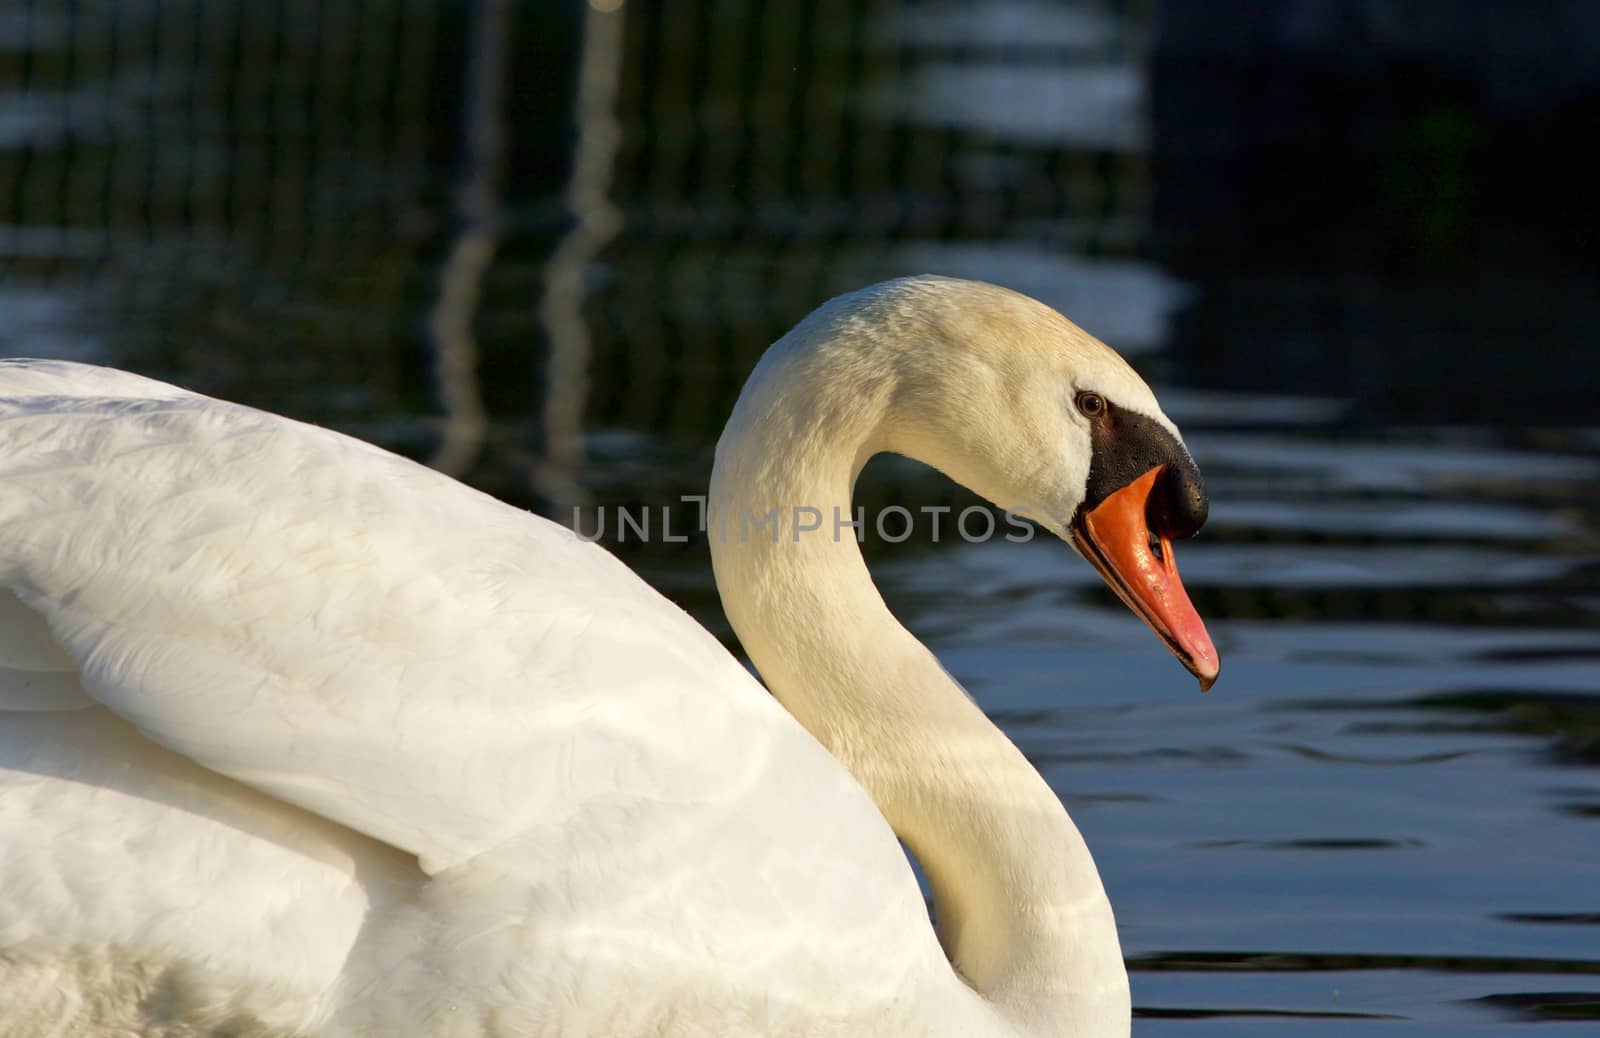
x,y
301,738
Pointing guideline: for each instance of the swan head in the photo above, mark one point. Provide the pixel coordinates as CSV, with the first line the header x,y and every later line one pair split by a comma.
x,y
1020,405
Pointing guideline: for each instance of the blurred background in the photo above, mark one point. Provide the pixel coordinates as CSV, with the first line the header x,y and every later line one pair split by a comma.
x,y
1353,245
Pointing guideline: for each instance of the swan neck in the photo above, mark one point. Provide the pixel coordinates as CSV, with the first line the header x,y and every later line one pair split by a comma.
x,y
1021,912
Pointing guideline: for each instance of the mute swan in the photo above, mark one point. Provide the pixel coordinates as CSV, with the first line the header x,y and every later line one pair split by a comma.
x,y
302,738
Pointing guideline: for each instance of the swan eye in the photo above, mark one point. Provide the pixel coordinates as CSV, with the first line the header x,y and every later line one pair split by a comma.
x,y
1093,405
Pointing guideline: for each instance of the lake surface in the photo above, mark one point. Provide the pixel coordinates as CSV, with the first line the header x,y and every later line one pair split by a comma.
x,y
1385,818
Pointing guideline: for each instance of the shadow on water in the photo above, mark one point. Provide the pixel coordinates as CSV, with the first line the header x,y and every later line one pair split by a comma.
x,y
1350,245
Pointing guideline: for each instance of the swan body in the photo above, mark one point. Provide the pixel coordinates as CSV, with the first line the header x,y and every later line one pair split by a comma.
x,y
298,737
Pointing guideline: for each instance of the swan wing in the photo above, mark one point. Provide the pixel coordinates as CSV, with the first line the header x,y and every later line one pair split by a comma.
x,y
249,667
343,629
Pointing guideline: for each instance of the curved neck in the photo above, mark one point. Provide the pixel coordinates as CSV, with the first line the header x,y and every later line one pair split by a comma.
x,y
1021,911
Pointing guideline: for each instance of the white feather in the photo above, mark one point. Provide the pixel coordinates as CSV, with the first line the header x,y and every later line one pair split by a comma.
x,y
359,637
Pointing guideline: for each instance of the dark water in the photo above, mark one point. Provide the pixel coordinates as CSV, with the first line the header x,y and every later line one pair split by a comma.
x,y
1385,819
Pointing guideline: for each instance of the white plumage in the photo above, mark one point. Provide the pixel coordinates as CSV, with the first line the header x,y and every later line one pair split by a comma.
x,y
302,738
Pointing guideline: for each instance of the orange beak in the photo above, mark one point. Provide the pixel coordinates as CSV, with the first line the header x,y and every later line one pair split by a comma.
x,y
1116,538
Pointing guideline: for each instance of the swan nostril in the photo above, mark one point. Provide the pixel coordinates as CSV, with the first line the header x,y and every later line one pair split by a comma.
x,y
1178,505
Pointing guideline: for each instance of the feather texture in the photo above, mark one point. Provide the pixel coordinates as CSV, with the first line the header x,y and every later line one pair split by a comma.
x,y
372,742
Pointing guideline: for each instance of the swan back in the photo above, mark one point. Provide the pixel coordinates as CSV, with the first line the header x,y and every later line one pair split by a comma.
x,y
265,598
369,661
